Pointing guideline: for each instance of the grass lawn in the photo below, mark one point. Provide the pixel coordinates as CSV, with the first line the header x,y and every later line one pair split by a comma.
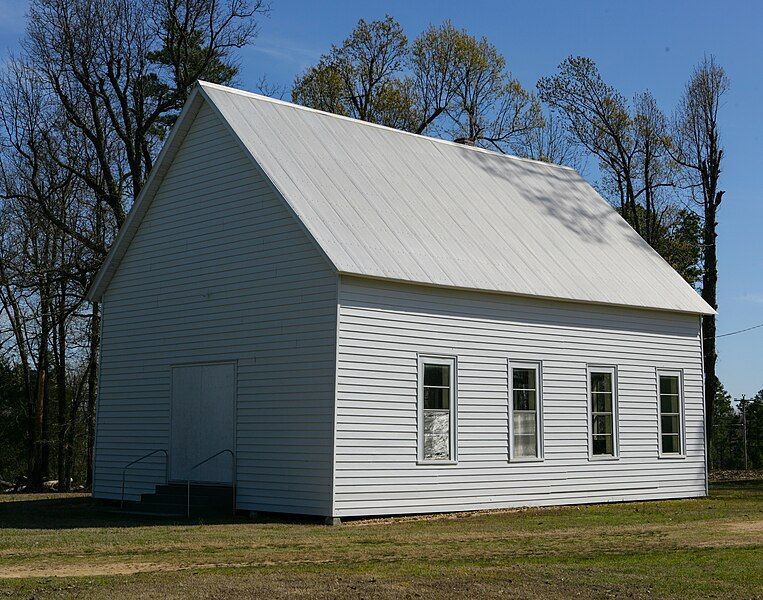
x,y
69,546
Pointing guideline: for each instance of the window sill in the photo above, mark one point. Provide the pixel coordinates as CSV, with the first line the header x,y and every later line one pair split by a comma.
x,y
526,460
436,463
662,456
602,458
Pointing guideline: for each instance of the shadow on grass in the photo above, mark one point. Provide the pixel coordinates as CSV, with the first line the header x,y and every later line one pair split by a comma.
x,y
81,512
745,485
69,512
74,512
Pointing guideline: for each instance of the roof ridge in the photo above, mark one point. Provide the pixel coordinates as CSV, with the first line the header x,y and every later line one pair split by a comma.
x,y
232,90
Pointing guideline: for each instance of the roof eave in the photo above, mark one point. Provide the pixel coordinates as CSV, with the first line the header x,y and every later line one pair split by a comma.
x,y
698,312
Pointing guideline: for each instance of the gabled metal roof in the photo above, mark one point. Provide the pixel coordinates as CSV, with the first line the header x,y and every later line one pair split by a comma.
x,y
393,205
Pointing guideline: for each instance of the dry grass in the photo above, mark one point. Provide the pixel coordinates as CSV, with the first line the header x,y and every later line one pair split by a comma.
x,y
53,546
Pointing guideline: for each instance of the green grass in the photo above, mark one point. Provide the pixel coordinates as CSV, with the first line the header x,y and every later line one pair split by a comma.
x,y
53,546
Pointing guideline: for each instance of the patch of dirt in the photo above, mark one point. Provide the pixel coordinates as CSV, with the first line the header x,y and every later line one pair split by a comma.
x,y
83,570
364,521
748,527
86,570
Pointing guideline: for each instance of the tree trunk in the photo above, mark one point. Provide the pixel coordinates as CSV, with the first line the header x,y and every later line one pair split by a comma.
x,y
630,194
92,383
36,469
709,294
40,434
46,437
71,430
70,433
62,426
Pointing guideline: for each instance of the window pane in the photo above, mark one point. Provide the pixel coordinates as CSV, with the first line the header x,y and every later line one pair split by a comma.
x,y
436,375
602,409
525,446
436,421
525,423
671,443
436,447
668,384
602,424
601,382
603,444
524,399
670,425
436,434
436,391
524,426
524,379
669,404
436,398
670,417
601,402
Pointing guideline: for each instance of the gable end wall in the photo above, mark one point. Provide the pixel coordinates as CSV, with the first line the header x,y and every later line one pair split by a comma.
x,y
220,270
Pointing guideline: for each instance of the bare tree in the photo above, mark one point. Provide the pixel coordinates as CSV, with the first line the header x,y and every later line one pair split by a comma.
x,y
82,114
551,143
698,149
597,116
29,254
12,300
120,71
632,143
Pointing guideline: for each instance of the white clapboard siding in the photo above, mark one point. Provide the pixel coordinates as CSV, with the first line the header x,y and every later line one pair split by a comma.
x,y
219,270
382,328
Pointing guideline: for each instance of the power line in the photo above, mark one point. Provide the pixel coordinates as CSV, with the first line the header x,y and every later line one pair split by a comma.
x,y
739,331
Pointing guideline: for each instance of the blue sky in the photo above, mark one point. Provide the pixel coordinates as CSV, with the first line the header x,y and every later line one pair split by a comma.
x,y
637,45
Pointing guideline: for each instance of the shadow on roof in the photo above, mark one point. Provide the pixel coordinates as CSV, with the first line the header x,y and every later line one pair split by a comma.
x,y
560,193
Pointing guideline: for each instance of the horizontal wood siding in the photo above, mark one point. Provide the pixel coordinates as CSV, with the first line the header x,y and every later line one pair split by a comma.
x,y
220,271
382,328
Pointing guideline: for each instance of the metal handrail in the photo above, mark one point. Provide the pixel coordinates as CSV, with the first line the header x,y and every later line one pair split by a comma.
x,y
137,460
206,460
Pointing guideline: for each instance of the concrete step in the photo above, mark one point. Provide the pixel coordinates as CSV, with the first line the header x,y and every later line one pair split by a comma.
x,y
159,501
179,509
197,490
146,512
172,500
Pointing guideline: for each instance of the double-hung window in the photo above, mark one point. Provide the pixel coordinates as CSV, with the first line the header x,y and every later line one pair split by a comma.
x,y
603,412
525,412
671,413
437,409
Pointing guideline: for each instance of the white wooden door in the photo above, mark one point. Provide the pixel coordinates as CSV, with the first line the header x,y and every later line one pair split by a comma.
x,y
202,421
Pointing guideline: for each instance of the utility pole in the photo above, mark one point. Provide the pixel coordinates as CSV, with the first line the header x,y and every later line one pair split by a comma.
x,y
743,406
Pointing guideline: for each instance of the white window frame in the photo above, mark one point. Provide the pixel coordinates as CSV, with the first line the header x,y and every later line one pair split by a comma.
x,y
452,362
612,370
538,368
681,414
